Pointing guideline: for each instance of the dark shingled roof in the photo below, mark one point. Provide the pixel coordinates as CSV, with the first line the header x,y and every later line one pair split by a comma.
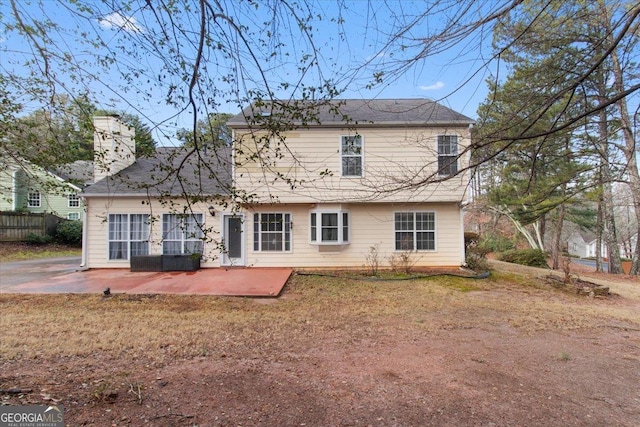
x,y
158,175
362,112
78,172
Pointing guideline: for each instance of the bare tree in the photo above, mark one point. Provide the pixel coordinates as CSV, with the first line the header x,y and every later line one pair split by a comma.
x,y
198,59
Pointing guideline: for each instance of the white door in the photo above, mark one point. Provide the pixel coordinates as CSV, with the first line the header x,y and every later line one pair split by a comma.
x,y
233,239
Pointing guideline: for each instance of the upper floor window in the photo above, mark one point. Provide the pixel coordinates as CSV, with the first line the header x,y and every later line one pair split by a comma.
x,y
272,232
33,199
351,155
73,200
182,234
329,227
447,154
128,235
415,231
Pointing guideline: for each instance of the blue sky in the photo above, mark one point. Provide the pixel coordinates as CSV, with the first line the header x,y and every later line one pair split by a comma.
x,y
454,76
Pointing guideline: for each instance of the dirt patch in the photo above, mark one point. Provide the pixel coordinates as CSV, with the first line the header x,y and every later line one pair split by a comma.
x,y
504,351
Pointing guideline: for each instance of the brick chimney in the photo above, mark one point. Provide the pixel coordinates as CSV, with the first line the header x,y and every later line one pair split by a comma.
x,y
114,146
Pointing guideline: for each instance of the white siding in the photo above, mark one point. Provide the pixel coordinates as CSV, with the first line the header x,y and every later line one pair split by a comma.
x,y
98,210
370,224
390,155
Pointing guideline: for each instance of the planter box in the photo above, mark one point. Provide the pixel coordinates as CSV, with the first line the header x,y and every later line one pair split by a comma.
x,y
180,262
165,263
146,263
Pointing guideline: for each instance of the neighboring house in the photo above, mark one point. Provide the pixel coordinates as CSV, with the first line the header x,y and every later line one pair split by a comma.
x,y
30,188
578,242
584,245
591,249
347,181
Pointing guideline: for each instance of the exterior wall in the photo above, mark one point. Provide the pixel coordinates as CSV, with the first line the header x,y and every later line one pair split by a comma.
x,y
591,250
370,224
390,154
96,251
576,246
16,185
114,146
7,186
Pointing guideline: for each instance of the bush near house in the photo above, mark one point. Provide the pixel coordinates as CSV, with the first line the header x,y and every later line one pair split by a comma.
x,y
69,232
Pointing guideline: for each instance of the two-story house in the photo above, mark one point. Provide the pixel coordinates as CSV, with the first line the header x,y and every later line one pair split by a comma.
x,y
320,192
352,175
27,187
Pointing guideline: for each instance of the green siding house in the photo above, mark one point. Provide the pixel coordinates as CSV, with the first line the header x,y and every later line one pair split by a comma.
x,y
27,187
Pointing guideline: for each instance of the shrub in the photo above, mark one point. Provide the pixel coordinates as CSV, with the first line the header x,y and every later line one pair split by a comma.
x,y
530,257
475,256
36,239
402,262
69,232
372,259
495,243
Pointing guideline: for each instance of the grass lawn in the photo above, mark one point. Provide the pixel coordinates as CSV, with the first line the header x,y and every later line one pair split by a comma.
x,y
19,251
508,350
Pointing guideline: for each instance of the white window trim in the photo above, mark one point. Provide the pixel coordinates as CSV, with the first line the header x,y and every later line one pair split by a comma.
x,y
128,240
340,213
455,156
29,199
73,197
74,214
342,175
283,232
435,231
183,239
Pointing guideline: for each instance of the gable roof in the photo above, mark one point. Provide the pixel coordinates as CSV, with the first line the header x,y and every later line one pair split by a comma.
x,y
10,162
80,171
349,112
171,171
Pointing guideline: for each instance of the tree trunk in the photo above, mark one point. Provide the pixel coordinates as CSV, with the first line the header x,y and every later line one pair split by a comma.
x,y
557,239
599,231
610,234
629,147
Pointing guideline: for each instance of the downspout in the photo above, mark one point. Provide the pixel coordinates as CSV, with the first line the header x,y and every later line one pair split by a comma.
x,y
85,226
461,206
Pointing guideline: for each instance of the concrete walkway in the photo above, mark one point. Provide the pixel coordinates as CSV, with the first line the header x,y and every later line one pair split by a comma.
x,y
42,269
250,282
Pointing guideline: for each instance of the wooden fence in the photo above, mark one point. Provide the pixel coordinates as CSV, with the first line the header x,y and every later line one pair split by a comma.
x,y
17,226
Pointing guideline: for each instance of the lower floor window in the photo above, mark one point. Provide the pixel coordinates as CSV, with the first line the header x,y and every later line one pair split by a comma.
x,y
128,235
73,216
415,231
271,232
182,234
329,227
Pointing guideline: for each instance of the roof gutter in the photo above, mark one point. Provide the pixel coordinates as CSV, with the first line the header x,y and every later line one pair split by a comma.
x,y
342,125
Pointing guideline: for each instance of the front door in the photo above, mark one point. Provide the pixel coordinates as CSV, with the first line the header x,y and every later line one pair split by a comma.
x,y
233,240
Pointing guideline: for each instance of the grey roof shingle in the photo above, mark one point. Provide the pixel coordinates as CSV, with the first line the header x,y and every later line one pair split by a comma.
x,y
362,112
170,172
80,172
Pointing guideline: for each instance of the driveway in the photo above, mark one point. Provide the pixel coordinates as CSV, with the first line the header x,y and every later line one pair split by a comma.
x,y
63,275
18,272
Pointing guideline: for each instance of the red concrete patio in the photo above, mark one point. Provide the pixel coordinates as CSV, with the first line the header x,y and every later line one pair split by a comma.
x,y
241,282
